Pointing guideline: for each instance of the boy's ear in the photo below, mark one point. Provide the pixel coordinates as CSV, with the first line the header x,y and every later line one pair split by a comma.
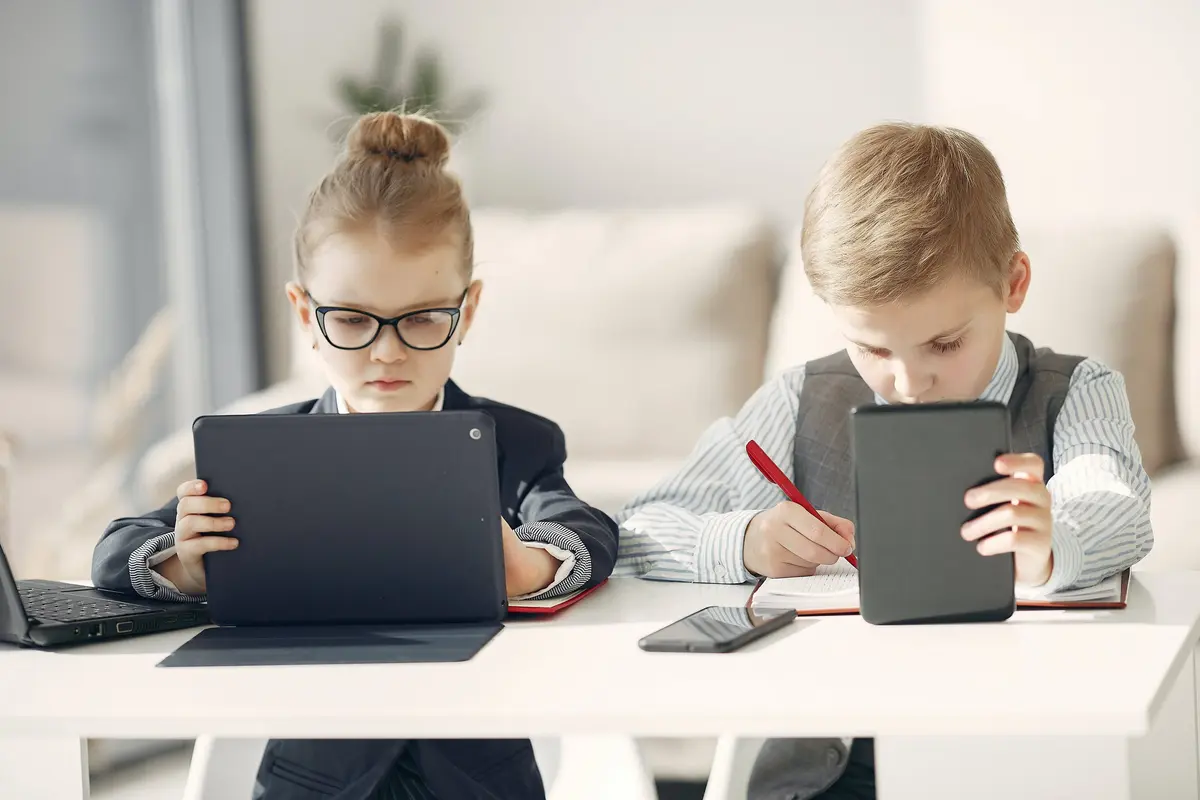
x,y
1019,274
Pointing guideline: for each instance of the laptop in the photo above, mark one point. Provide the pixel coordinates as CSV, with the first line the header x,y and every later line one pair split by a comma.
x,y
355,519
38,613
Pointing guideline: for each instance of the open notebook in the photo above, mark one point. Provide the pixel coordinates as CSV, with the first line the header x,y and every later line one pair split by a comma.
x,y
834,590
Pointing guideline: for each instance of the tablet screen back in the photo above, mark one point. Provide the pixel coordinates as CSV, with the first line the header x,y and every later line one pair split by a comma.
x,y
913,464
355,518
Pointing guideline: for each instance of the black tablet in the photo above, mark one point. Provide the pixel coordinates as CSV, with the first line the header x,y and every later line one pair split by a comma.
x,y
355,518
912,466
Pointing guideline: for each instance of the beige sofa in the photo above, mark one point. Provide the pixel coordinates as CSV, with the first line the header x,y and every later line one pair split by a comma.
x,y
634,329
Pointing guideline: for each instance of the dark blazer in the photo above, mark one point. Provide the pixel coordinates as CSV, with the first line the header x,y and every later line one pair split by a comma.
x,y
530,454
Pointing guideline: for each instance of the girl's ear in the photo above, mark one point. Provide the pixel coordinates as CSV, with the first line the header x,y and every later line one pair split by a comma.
x,y
301,306
470,306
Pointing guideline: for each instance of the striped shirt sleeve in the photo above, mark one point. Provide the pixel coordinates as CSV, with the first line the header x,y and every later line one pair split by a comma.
x,y
1100,493
692,525
147,581
575,562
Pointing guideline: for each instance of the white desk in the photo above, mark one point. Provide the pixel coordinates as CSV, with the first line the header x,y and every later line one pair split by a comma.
x,y
1049,704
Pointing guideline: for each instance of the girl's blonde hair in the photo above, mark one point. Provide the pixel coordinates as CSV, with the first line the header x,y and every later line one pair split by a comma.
x,y
390,178
899,208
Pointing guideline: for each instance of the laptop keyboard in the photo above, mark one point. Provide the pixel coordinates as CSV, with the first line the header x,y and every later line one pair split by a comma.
x,y
56,606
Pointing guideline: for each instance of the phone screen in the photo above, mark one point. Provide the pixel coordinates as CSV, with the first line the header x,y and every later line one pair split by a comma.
x,y
716,625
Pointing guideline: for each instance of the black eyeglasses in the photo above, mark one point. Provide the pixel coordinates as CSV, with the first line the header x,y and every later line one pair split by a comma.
x,y
354,329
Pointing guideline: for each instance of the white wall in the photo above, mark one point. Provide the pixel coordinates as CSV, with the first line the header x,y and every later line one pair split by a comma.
x,y
626,102
1092,108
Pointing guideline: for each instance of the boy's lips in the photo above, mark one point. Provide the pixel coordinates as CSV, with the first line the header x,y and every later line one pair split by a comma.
x,y
388,384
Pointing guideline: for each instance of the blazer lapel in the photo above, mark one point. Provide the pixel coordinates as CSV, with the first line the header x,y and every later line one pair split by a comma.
x,y
455,399
326,403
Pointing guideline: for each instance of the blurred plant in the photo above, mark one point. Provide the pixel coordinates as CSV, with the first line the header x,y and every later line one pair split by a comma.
x,y
424,93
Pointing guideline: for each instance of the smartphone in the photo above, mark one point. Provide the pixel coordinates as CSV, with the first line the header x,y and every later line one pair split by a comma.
x,y
716,629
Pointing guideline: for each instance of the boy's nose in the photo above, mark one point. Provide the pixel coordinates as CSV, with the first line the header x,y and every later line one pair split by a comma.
x,y
910,384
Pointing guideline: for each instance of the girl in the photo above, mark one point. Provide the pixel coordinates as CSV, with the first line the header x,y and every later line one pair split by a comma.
x,y
383,287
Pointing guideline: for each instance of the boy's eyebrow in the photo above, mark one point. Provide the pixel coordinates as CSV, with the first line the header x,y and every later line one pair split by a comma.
x,y
950,332
942,335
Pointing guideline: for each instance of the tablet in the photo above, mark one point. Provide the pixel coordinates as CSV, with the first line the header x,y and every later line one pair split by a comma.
x,y
912,466
355,519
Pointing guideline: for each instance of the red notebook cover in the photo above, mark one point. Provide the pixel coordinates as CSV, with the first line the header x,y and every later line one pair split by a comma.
x,y
551,605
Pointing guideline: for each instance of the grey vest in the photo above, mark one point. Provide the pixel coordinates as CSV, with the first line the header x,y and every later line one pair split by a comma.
x,y
797,769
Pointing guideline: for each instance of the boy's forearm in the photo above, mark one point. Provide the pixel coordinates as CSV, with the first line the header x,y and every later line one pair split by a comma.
x,y
1100,491
1097,531
667,543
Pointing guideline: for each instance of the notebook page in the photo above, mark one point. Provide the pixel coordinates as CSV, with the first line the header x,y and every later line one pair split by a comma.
x,y
834,586
839,577
1106,590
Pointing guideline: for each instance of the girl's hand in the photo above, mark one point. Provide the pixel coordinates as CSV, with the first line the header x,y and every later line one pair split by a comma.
x,y
192,521
526,569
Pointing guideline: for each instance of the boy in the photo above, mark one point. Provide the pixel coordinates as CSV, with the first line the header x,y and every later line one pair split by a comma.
x,y
907,236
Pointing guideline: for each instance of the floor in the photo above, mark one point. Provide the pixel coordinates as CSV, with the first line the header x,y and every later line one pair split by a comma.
x,y
163,777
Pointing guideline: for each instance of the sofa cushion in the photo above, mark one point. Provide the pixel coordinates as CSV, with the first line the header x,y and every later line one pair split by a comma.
x,y
45,412
1099,291
1187,334
631,330
171,461
1175,518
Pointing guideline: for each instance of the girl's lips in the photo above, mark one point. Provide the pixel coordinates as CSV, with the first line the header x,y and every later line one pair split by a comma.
x,y
389,385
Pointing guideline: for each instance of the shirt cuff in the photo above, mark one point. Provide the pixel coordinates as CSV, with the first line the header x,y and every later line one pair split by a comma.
x,y
719,552
158,558
1068,558
146,581
565,545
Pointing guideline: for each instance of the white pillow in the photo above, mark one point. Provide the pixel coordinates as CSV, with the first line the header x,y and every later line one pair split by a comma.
x,y
802,327
1107,293
633,330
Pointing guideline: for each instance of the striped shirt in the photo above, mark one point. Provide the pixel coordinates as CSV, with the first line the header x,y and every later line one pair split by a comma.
x,y
692,525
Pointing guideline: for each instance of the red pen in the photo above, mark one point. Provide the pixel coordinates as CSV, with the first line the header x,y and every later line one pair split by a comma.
x,y
775,475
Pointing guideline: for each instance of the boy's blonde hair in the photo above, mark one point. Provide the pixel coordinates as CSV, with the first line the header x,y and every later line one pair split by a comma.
x,y
900,207
391,178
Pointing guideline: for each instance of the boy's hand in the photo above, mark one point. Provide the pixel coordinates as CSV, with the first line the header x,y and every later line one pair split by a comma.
x,y
788,542
526,569
186,568
1022,525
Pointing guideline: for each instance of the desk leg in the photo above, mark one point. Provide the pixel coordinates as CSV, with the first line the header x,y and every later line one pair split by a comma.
x,y
1161,764
43,768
